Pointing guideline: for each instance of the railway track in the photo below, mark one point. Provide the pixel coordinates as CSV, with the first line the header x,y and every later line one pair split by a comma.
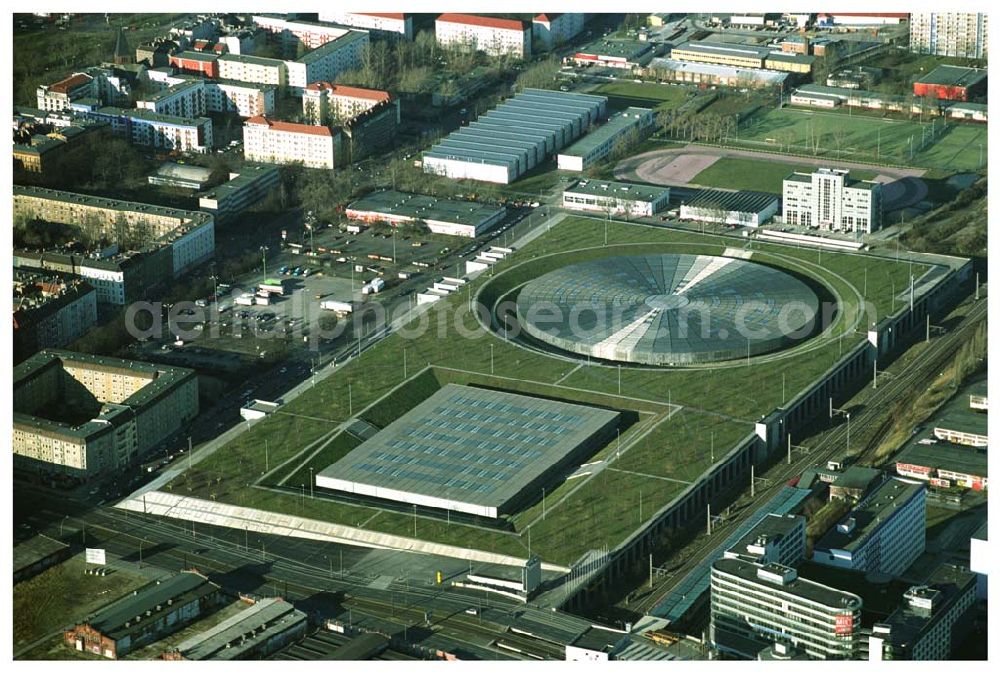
x,y
834,443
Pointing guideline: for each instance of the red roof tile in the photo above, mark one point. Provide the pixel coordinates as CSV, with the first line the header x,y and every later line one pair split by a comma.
x,y
355,92
385,15
75,80
486,21
547,17
291,127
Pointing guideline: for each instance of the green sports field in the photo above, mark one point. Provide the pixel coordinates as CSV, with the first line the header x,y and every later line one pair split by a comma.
x,y
940,145
740,173
644,95
682,419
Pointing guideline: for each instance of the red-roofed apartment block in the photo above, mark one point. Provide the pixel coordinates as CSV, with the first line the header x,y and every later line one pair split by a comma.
x,y
59,95
287,142
326,103
494,36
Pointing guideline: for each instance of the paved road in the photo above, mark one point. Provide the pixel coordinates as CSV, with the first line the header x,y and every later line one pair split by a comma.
x,y
298,570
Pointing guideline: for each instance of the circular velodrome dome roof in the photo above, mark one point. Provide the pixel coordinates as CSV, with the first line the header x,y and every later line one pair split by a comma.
x,y
667,309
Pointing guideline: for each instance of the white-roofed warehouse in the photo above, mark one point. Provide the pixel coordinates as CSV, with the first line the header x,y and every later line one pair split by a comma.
x,y
516,136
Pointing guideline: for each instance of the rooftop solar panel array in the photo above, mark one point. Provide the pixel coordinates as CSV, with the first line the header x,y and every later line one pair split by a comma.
x,y
471,449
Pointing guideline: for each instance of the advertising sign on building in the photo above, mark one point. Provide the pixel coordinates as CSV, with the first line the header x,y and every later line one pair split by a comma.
x,y
96,556
914,469
941,483
844,625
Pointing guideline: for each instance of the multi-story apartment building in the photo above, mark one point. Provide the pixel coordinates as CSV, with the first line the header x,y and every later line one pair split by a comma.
x,y
59,95
327,62
292,34
285,142
185,99
386,25
50,310
189,96
551,29
146,128
494,36
241,41
923,627
256,69
196,62
829,200
885,533
326,103
962,34
246,99
243,189
117,278
324,63
118,410
753,606
186,237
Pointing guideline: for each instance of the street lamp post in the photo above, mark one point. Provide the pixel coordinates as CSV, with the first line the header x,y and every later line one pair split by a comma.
x,y
263,253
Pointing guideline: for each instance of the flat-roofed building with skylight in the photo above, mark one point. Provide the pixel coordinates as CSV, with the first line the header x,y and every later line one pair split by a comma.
x,y
441,216
472,450
731,207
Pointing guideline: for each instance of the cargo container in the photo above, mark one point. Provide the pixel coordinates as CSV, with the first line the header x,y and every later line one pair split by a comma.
x,y
340,307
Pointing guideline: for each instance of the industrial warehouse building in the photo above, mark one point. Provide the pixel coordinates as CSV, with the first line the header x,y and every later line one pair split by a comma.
x,y
599,143
146,615
944,465
952,83
471,450
714,74
185,176
625,54
735,55
633,199
443,217
962,423
516,136
79,415
884,534
263,628
740,208
741,55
